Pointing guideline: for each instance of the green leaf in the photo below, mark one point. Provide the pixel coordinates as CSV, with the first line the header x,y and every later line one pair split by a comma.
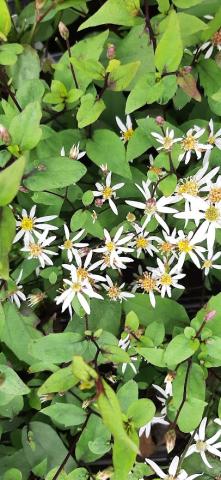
x,y
18,343
127,394
27,66
7,233
169,50
123,463
132,321
91,68
106,144
59,381
65,413
166,311
56,173
141,412
167,185
212,26
117,12
156,331
24,128
190,28
87,198
13,474
210,76
56,347
30,91
164,5
179,349
121,76
186,3
11,384
5,20
9,52
94,429
41,442
154,355
10,179
85,50
90,110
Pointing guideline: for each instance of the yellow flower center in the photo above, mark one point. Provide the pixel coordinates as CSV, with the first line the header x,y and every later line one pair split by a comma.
x,y
166,279
107,193
82,273
189,187
128,134
216,39
166,247
141,242
110,246
113,292
189,143
167,143
211,140
184,246
68,244
212,214
27,223
201,446
35,249
215,195
76,286
130,217
207,264
146,282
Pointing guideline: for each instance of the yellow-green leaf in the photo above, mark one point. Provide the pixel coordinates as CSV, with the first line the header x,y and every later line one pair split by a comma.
x,y
169,50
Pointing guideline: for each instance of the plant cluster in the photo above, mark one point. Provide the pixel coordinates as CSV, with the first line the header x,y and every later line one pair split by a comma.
x,y
110,223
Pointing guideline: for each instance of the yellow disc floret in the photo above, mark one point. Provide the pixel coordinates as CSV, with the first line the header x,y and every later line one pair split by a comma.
x,y
147,283
141,242
189,143
68,244
215,195
107,193
128,134
114,292
212,214
27,223
166,279
35,249
184,246
189,187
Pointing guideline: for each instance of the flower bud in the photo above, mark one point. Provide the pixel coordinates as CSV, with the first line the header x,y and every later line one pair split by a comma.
x,y
41,167
159,120
187,69
130,217
210,315
63,30
170,439
4,135
74,152
111,51
99,202
23,189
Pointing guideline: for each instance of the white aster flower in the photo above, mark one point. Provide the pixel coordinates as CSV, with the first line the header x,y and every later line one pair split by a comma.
x,y
166,278
191,145
79,288
167,140
148,283
74,153
209,262
214,138
188,245
115,292
209,46
153,207
146,429
70,245
189,188
143,241
116,246
124,343
17,295
126,130
38,251
85,269
28,225
166,245
202,445
211,216
172,474
107,192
